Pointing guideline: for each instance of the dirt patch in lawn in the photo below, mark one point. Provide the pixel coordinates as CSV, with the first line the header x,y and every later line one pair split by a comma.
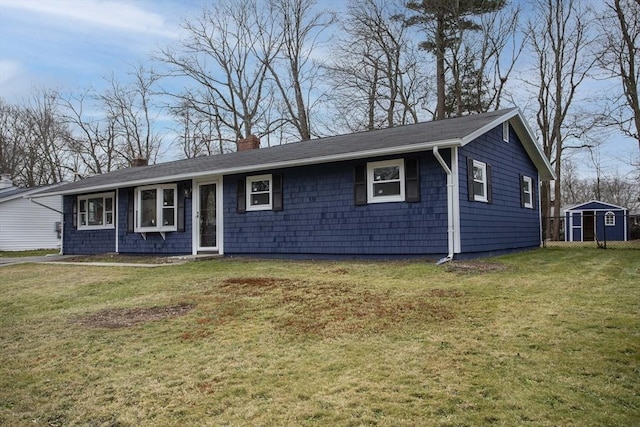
x,y
126,317
474,267
335,309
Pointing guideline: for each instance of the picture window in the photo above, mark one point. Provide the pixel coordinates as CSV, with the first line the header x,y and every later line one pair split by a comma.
x,y
95,211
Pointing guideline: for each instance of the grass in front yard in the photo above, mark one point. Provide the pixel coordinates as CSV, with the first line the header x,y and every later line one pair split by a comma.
x,y
35,252
549,337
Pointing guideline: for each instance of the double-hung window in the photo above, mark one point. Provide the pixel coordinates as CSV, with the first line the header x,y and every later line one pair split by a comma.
x,y
526,189
479,181
259,190
156,208
386,181
95,211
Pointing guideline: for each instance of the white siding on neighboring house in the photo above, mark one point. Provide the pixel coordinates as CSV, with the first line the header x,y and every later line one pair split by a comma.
x,y
25,225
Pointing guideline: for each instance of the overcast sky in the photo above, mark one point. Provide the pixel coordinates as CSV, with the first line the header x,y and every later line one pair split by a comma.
x,y
71,45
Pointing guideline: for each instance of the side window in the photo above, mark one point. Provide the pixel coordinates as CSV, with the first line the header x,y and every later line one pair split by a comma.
x,y
609,219
395,180
526,192
259,192
95,211
385,181
479,181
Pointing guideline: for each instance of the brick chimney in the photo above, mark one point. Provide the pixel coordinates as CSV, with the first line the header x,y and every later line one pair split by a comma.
x,y
139,161
250,143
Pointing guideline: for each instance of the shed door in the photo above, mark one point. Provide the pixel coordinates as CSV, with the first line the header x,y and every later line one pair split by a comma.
x,y
588,226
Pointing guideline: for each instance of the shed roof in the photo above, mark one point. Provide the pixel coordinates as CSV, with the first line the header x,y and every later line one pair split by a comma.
x,y
402,139
593,205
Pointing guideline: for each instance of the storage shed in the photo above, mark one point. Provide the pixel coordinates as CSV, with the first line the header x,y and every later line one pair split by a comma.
x,y
596,221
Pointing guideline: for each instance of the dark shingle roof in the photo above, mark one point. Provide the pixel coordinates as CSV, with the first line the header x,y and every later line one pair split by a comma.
x,y
415,137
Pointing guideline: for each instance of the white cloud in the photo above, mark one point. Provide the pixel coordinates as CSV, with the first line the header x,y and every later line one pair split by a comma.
x,y
119,15
8,71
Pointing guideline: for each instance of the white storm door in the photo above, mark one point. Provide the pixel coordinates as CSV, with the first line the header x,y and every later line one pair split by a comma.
x,y
206,217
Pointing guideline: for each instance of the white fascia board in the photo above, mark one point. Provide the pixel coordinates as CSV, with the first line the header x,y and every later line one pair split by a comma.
x,y
413,148
527,138
486,128
576,207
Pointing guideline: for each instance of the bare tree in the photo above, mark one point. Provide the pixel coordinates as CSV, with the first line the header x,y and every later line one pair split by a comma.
x,y
225,54
198,134
375,74
130,108
619,57
293,70
13,140
610,187
486,61
92,143
560,42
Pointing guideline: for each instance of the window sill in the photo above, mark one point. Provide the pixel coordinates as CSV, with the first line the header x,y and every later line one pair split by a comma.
x,y
259,208
95,227
386,200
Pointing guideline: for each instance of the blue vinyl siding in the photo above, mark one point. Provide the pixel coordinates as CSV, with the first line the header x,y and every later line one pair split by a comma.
x,y
174,243
320,218
84,242
503,224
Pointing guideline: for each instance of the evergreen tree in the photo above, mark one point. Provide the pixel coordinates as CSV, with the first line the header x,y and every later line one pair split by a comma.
x,y
444,22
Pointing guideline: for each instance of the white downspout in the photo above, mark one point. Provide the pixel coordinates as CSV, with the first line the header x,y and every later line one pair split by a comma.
x,y
450,196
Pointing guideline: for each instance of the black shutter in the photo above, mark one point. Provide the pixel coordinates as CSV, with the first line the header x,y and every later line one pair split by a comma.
x,y
130,211
522,195
241,198
74,213
277,192
360,185
489,185
412,180
470,179
181,207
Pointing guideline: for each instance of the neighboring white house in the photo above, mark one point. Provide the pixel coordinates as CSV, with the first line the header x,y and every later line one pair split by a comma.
x,y
26,225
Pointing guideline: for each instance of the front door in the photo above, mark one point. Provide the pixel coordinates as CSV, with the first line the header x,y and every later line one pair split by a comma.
x,y
207,217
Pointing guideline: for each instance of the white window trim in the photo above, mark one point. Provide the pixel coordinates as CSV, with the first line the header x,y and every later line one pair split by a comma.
x,y
483,166
265,207
611,215
371,197
159,208
505,131
104,225
528,204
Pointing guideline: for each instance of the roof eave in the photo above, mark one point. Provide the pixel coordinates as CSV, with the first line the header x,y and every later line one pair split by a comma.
x,y
411,148
527,137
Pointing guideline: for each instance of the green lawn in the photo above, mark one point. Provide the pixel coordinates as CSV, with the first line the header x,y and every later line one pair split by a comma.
x,y
35,252
549,337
